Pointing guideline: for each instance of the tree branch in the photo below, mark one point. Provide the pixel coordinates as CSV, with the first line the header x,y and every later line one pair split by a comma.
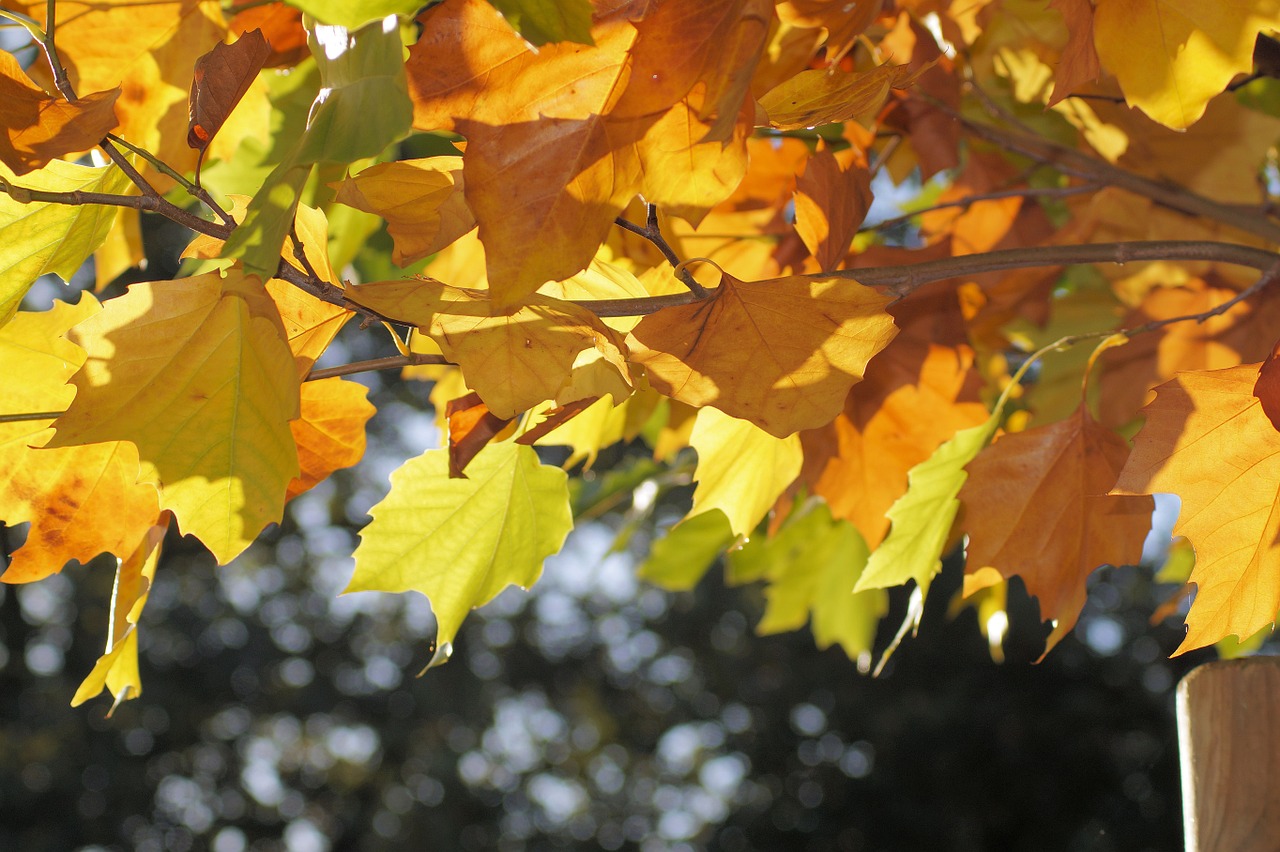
x,y
969,200
388,363
651,232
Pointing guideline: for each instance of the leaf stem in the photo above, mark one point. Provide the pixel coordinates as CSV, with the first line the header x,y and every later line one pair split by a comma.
x,y
651,232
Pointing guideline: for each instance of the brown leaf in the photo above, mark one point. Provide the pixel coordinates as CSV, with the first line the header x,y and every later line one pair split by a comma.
x,y
780,353
1036,505
38,128
1079,63
222,76
281,25
1267,388
471,427
843,21
832,198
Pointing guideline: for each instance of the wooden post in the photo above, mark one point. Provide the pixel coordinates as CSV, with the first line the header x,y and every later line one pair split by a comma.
x,y
1229,738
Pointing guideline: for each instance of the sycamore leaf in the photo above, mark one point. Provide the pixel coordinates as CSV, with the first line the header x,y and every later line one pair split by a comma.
x,y
826,96
812,565
37,128
80,501
548,166
330,430
310,324
678,560
471,427
38,238
922,517
544,21
362,106
281,25
1267,387
842,20
197,374
782,354
742,470
149,51
1036,505
222,76
1079,61
1208,440
354,14
514,359
832,199
1172,56
461,541
422,201
117,669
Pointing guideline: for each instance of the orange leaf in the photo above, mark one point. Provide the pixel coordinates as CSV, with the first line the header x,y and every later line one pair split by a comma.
x,y
1036,505
832,199
38,128
280,23
330,432
1079,63
1208,440
222,76
1267,388
471,427
780,353
843,21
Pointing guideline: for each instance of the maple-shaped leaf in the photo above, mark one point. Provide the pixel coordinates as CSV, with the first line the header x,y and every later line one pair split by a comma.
x,y
1172,56
221,78
37,238
362,106
514,359
678,560
653,108
918,392
544,21
811,566
462,541
149,51
921,519
329,431
1208,440
741,468
1037,506
827,96
421,200
197,374
780,353
35,128
80,501
832,198
117,670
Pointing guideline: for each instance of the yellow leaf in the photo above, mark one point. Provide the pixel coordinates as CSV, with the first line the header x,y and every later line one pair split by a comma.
x,y
782,353
199,377
330,433
742,470
80,501
422,201
826,96
1172,56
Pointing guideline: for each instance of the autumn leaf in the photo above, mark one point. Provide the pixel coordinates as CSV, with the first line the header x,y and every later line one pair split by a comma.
x,y
1208,440
781,353
678,559
471,427
513,359
329,431
544,21
38,128
1172,56
843,21
199,377
1037,506
281,25
222,76
1079,62
1267,387
38,238
354,15
832,198
827,96
811,566
741,468
421,200
461,541
80,501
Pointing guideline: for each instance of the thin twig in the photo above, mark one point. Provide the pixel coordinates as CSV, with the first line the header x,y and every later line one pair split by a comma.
x,y
300,251
970,200
389,363
885,153
191,189
651,232
150,203
35,415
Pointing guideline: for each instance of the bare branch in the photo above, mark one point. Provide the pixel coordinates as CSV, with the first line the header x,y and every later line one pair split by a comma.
x,y
651,232
389,363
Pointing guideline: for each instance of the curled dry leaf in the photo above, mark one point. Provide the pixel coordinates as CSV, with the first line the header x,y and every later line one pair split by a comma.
x,y
222,76
36,128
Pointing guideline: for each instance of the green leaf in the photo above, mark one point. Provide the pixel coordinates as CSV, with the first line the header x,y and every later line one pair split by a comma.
x,y
362,107
38,238
922,517
543,21
678,560
812,565
462,541
353,15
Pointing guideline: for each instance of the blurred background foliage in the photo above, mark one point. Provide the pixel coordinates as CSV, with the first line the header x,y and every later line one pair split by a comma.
x,y
595,712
